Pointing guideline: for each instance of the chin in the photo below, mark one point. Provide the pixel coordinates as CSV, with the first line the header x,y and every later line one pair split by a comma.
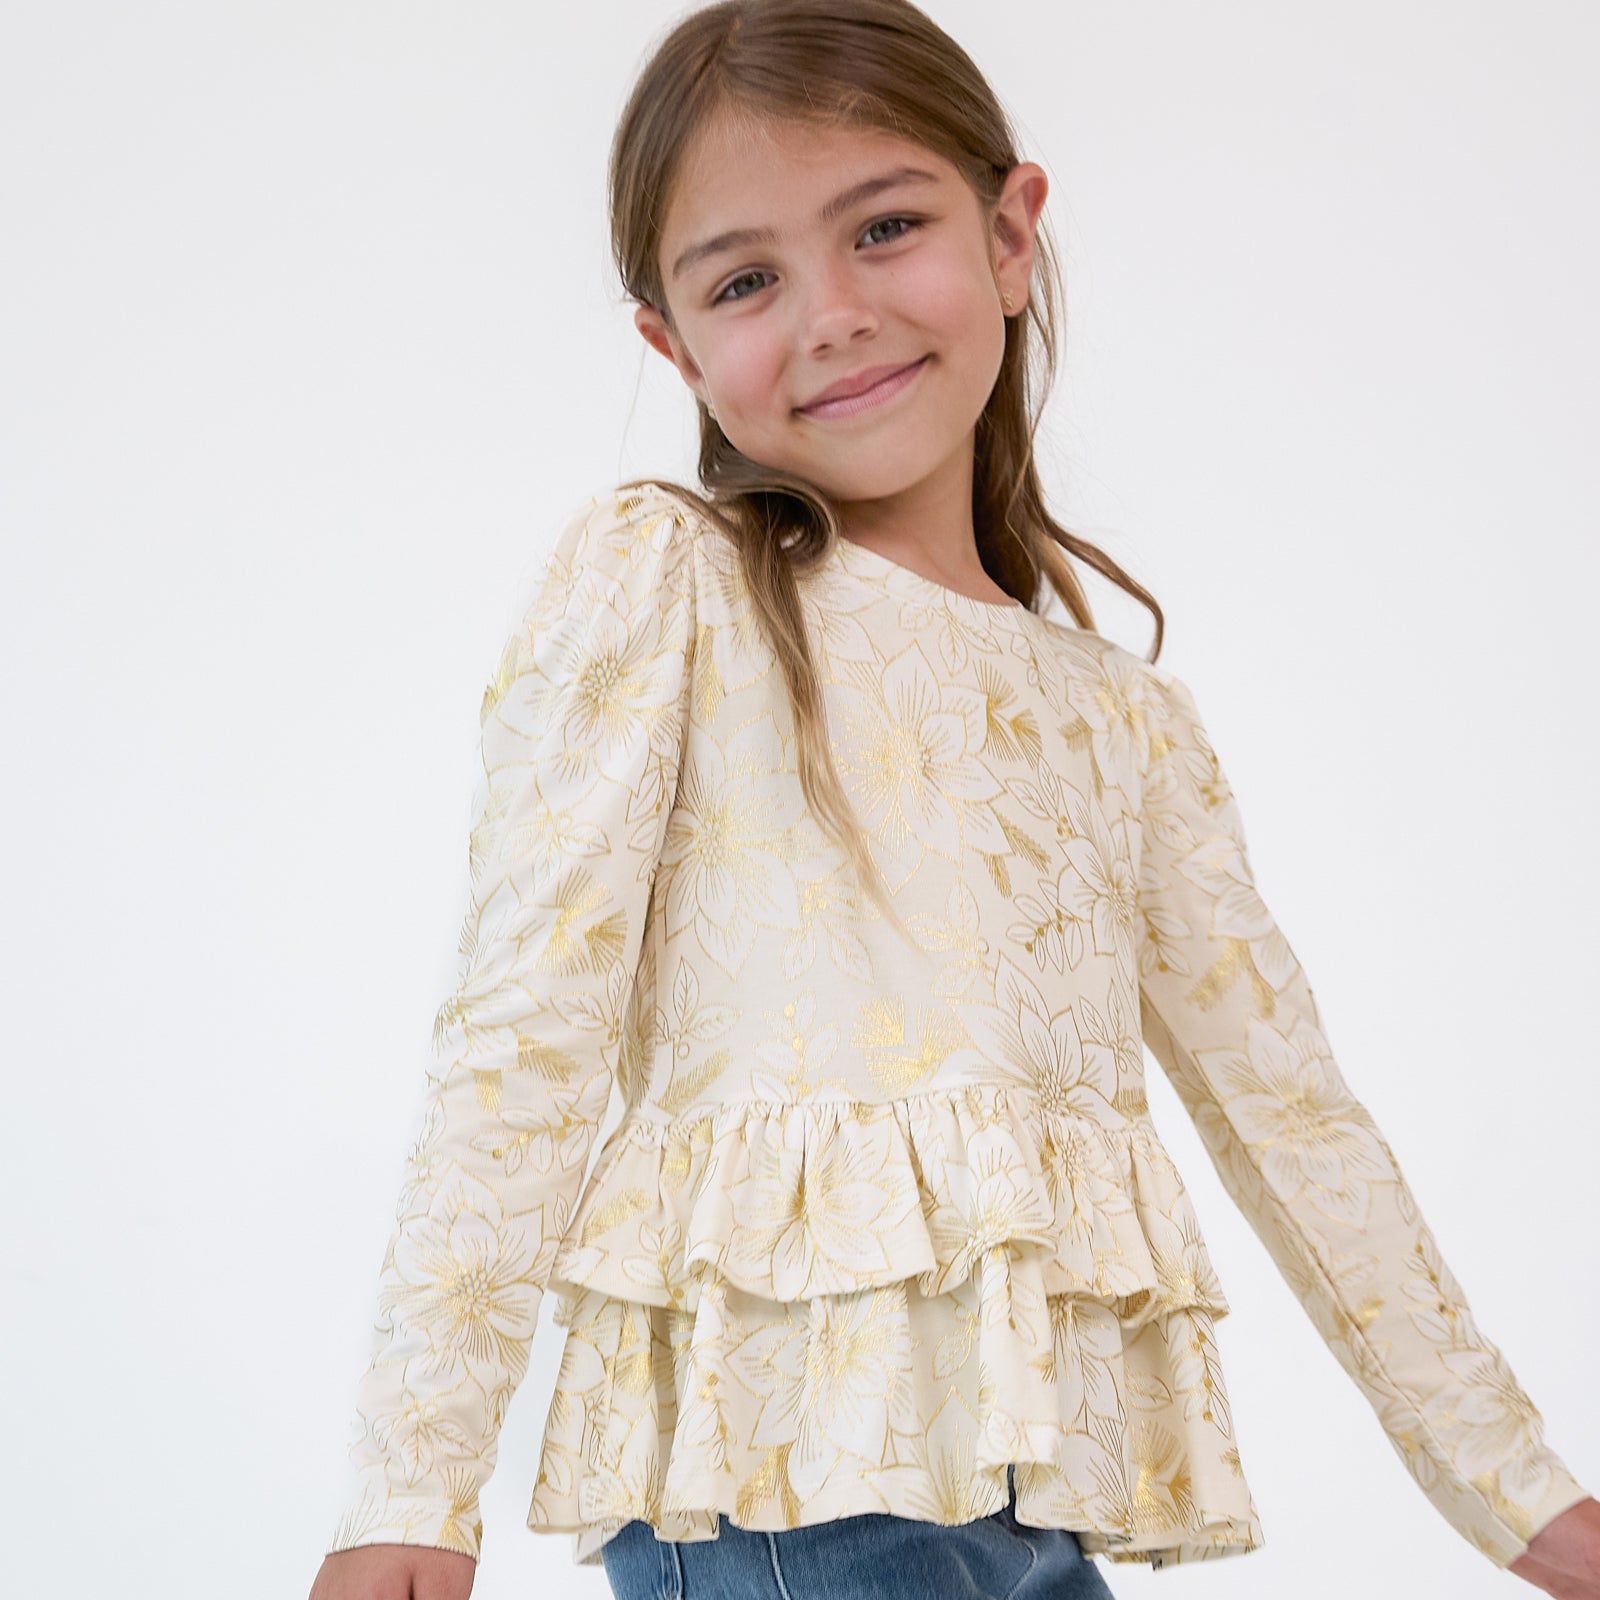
x,y
877,482
879,473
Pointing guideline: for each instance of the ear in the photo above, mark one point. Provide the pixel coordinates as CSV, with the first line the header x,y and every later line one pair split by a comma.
x,y
656,333
1016,220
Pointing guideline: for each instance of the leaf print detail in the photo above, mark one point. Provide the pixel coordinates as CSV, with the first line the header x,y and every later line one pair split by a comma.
x,y
686,1088
687,1148
956,933
1114,1036
537,1055
1197,1365
800,1042
634,1370
1021,843
1162,1493
1238,914
573,942
1047,796
1050,932
616,1211
460,1528
548,1141
897,1064
419,1433
1011,732
656,1269
831,912
772,1479
999,870
694,1021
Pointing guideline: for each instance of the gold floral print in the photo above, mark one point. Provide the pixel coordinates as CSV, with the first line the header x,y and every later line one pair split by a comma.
x,y
876,1221
909,746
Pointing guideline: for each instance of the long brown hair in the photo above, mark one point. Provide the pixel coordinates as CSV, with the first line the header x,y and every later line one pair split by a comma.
x,y
876,65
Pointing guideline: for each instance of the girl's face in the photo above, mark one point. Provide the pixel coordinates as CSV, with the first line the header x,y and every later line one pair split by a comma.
x,y
796,259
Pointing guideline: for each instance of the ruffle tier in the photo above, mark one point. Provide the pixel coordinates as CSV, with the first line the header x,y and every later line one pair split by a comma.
x,y
790,1314
830,1196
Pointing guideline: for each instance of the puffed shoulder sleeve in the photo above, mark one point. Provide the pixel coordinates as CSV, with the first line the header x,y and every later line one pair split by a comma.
x,y
582,729
1228,1013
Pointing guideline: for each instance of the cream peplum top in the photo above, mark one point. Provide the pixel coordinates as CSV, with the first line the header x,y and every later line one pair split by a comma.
x,y
878,1217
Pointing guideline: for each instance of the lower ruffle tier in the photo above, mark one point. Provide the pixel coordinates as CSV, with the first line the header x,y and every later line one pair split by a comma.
x,y
885,1399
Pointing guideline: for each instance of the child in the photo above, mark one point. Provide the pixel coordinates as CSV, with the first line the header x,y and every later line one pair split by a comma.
x,y
866,885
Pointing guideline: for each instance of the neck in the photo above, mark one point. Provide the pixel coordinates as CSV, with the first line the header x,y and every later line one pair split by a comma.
x,y
927,526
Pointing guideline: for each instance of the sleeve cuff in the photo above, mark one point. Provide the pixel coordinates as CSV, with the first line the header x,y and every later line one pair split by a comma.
x,y
446,1522
1531,1496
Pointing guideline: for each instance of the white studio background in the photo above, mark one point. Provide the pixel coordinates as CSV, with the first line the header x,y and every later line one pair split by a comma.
x,y
308,343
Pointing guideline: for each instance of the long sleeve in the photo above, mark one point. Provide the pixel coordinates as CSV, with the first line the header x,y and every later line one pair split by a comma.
x,y
1230,1016
581,734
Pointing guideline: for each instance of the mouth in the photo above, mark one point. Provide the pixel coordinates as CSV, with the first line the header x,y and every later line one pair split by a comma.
x,y
885,389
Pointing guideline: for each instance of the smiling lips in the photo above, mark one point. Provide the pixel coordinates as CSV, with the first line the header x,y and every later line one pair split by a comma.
x,y
871,387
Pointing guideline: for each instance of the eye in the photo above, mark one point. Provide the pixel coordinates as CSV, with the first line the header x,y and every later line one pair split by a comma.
x,y
754,279
910,223
743,277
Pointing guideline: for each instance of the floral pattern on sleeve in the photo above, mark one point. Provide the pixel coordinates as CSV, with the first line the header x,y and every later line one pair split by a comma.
x,y
1228,1012
581,732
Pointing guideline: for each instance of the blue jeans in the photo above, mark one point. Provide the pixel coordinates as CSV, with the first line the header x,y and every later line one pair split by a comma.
x,y
873,1554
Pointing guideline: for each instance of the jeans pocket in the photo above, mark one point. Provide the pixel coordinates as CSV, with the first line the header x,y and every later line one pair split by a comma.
x,y
1026,1551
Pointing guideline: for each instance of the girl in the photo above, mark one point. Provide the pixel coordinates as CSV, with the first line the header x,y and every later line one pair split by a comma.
x,y
866,886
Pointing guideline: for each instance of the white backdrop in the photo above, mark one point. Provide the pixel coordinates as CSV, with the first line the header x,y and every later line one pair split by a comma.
x,y
309,342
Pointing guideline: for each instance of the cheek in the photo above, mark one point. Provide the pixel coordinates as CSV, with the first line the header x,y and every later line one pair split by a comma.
x,y
746,370
953,300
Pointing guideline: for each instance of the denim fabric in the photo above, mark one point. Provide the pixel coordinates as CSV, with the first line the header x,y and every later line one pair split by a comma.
x,y
871,1555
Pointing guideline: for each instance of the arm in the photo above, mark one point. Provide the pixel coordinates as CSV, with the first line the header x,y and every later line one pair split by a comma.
x,y
1228,1012
581,736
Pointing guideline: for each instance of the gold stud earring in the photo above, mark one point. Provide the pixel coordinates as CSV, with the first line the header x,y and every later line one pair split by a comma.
x,y
1005,299
711,411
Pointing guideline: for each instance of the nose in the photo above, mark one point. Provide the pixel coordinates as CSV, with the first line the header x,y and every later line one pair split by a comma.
x,y
838,308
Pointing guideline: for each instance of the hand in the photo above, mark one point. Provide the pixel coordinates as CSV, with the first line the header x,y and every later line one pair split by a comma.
x,y
1563,1557
395,1572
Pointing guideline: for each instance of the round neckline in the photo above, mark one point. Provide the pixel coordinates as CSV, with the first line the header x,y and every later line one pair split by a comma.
x,y
849,551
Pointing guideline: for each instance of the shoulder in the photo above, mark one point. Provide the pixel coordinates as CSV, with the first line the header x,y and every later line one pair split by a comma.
x,y
630,544
1130,684
1153,704
632,518
1163,686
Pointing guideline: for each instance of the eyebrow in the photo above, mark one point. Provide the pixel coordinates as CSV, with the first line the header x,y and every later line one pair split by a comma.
x,y
738,237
